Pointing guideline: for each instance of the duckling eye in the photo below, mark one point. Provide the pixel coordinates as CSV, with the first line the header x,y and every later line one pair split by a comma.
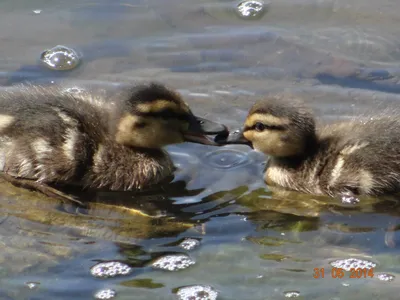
x,y
259,126
140,125
185,126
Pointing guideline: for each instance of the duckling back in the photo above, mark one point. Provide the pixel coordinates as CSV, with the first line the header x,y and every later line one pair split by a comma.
x,y
366,156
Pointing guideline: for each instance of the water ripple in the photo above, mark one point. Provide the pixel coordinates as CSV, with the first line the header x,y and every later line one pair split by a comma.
x,y
226,159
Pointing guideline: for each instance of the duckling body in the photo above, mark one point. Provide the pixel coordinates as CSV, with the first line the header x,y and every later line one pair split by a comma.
x,y
348,157
357,157
49,136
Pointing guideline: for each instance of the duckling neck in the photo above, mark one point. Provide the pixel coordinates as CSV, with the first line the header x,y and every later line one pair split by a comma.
x,y
118,167
310,150
289,163
287,171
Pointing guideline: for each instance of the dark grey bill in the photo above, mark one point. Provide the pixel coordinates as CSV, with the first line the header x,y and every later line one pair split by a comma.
x,y
206,126
199,128
233,137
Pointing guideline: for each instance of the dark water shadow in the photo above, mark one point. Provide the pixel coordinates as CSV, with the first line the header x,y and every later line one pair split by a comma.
x,y
353,82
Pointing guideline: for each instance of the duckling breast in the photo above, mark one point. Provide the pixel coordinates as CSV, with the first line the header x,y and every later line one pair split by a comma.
x,y
122,168
303,177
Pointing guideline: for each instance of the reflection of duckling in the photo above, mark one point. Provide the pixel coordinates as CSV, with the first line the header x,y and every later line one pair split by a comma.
x,y
53,137
346,159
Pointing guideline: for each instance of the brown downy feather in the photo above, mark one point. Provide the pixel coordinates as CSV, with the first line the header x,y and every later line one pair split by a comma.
x,y
360,156
50,136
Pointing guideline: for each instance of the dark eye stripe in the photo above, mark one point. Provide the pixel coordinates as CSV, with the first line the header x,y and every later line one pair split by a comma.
x,y
166,114
269,127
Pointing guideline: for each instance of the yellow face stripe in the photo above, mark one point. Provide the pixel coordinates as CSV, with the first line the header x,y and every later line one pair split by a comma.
x,y
266,119
160,105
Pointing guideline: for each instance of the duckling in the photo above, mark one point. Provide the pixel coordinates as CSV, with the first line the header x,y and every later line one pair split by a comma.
x,y
50,137
344,159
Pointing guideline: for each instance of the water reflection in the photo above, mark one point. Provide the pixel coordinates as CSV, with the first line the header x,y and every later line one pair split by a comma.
x,y
241,235
271,229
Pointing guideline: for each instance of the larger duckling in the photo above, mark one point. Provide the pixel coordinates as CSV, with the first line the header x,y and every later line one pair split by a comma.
x,y
357,157
49,137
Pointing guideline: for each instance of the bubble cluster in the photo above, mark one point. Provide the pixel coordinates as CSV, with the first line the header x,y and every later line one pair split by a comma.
x,y
74,90
385,277
60,58
105,294
349,199
353,263
346,284
189,244
291,294
110,269
250,9
174,262
197,292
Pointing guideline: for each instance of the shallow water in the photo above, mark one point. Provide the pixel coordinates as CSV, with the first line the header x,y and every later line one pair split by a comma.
x,y
340,56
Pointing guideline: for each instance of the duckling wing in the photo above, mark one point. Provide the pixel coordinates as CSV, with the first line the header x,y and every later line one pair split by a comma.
x,y
53,137
367,155
49,140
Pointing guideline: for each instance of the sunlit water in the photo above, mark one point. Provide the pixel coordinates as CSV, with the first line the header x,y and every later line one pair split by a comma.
x,y
217,231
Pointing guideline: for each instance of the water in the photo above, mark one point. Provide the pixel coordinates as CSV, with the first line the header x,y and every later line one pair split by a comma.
x,y
245,241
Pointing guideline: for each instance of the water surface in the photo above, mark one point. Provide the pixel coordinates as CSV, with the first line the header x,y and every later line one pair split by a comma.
x,y
342,57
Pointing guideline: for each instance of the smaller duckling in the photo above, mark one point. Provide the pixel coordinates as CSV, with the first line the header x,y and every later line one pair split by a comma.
x,y
51,137
345,159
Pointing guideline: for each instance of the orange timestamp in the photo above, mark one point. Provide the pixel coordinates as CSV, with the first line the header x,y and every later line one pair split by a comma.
x,y
340,273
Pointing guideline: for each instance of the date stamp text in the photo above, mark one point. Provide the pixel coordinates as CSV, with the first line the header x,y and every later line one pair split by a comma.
x,y
341,273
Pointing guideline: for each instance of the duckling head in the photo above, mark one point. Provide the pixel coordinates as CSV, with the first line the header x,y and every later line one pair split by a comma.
x,y
279,126
154,116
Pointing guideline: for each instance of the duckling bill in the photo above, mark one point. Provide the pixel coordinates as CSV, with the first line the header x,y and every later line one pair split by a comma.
x,y
346,159
50,137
